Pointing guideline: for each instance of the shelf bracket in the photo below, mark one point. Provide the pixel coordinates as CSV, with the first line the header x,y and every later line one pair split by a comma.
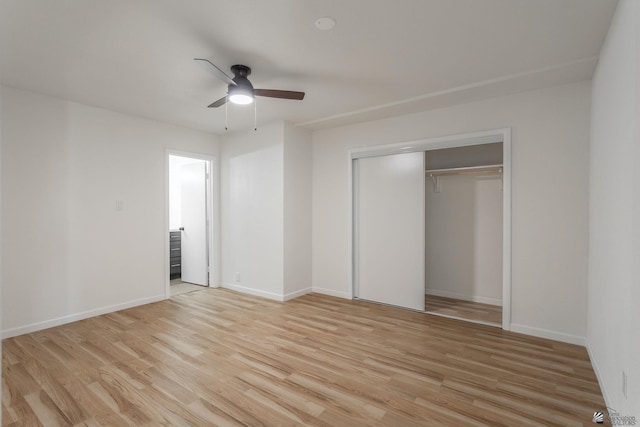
x,y
437,188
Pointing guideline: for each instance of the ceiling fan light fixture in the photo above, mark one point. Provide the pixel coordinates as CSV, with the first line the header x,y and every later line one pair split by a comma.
x,y
240,95
240,98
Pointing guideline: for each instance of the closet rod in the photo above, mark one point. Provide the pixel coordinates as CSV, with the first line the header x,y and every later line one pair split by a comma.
x,y
470,170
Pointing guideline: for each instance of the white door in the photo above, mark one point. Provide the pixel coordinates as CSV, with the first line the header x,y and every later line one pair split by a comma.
x,y
193,192
389,213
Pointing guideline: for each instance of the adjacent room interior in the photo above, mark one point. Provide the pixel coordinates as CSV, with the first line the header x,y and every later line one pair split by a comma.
x,y
190,213
319,213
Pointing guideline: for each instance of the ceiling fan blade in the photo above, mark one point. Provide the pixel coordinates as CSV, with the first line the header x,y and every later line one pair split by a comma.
x,y
219,103
283,94
209,66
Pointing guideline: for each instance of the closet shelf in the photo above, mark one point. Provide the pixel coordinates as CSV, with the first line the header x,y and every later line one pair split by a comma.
x,y
471,170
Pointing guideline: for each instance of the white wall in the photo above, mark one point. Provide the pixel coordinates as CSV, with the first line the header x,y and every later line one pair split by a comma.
x,y
266,211
297,211
252,201
67,253
1,282
549,198
463,244
614,284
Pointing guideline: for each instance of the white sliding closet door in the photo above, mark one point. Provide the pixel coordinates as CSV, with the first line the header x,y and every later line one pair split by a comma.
x,y
389,226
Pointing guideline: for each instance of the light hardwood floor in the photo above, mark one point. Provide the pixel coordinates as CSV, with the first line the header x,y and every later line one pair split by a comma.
x,y
178,287
216,357
465,309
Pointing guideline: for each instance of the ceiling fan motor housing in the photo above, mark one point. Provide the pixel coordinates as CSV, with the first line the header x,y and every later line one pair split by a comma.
x,y
243,85
240,70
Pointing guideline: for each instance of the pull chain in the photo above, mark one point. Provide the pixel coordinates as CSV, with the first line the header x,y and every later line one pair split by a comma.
x,y
226,114
255,115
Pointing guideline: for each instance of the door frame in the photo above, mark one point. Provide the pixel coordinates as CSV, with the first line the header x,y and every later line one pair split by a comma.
x,y
213,216
461,140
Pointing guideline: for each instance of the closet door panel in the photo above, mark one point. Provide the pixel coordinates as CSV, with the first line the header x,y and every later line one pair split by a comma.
x,y
390,238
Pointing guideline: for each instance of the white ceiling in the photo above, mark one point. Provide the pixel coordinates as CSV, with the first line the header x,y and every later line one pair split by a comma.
x,y
383,57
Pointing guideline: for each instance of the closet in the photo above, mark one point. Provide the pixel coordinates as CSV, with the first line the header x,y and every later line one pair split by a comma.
x,y
427,230
463,232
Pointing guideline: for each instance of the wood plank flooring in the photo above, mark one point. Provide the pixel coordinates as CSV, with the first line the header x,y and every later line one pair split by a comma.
x,y
216,357
465,309
178,287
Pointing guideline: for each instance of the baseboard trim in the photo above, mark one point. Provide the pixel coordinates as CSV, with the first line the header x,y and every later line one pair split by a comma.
x,y
549,334
472,298
296,294
607,401
38,326
264,294
252,291
330,292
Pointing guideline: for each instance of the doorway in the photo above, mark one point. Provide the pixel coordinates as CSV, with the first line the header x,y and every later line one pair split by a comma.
x,y
190,214
388,239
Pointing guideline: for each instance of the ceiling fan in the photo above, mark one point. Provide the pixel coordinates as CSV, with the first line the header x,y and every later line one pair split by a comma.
x,y
240,90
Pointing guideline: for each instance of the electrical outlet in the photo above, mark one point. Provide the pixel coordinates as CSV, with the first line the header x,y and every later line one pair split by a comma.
x,y
624,384
119,205
238,276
